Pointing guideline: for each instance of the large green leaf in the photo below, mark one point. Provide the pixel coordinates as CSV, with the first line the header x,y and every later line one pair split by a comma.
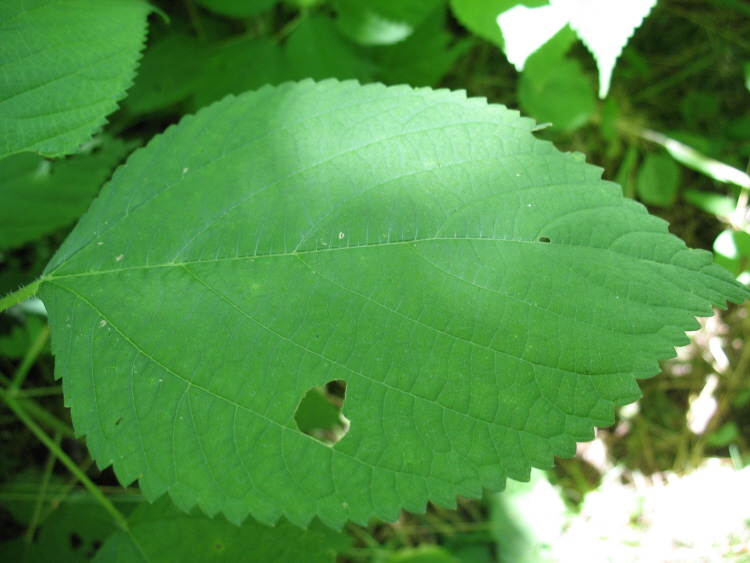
x,y
162,534
63,66
486,298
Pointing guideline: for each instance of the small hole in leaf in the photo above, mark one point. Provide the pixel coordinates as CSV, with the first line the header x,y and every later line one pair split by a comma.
x,y
76,541
319,412
544,239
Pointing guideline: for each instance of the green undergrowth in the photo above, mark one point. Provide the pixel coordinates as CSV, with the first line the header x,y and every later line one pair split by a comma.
x,y
355,280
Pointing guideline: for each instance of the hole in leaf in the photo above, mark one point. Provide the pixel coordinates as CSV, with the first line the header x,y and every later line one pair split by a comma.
x,y
544,239
76,541
319,412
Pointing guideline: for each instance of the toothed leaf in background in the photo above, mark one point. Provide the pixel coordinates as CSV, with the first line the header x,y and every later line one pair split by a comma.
x,y
63,67
485,299
160,533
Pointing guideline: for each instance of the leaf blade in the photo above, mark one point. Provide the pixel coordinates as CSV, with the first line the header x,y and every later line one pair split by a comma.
x,y
486,299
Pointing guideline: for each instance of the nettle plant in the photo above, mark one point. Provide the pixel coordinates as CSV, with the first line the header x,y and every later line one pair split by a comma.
x,y
472,300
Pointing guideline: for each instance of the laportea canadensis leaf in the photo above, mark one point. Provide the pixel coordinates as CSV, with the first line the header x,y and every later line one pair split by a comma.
x,y
485,298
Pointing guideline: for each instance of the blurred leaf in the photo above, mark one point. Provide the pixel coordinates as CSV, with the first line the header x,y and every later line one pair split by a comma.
x,y
732,251
237,8
15,344
170,71
527,518
719,205
658,180
317,50
63,66
724,435
626,173
554,89
161,533
411,12
422,554
245,64
38,197
71,534
364,26
424,58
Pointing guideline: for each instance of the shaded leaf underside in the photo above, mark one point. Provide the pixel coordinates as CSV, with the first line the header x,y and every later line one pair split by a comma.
x,y
392,238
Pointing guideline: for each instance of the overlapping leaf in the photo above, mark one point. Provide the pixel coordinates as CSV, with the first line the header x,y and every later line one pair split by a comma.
x,y
486,298
63,66
38,196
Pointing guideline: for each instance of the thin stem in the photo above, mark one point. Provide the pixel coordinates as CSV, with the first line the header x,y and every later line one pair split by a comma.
x,y
17,296
36,518
63,457
31,355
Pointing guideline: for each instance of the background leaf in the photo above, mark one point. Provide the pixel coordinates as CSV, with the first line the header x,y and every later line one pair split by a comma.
x,y
317,50
63,66
38,197
160,533
237,8
169,72
485,298
423,58
658,180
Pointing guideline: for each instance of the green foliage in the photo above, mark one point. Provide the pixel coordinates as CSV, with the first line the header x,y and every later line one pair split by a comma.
x,y
238,8
65,65
161,532
316,301
658,180
38,197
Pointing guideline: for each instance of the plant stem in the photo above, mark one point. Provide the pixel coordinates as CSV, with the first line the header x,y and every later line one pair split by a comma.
x,y
31,355
17,296
63,457
36,519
